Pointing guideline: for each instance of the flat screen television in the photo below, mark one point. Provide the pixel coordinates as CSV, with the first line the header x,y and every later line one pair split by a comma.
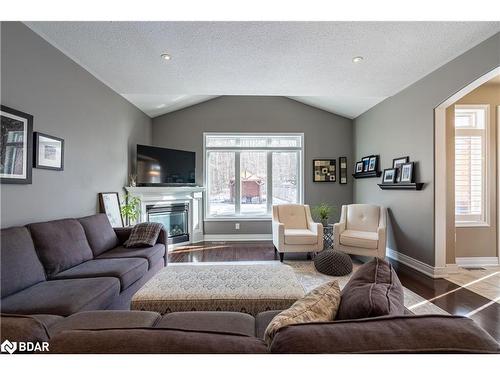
x,y
157,166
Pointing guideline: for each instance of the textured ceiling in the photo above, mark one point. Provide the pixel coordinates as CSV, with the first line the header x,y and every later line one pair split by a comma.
x,y
309,62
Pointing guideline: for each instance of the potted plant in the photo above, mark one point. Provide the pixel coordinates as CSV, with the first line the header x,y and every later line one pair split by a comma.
x,y
130,209
323,212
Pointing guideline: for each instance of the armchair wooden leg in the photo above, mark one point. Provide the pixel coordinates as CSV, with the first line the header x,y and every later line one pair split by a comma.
x,y
309,257
281,256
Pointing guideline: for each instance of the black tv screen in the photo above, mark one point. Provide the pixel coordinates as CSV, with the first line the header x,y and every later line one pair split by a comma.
x,y
164,166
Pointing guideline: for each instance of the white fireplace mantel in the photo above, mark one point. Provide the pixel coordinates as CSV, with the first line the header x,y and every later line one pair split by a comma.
x,y
162,195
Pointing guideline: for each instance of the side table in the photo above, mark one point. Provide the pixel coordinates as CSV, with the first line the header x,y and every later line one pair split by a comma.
x,y
328,237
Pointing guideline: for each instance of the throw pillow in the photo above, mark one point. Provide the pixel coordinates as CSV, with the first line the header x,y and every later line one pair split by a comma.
x,y
319,305
144,234
374,290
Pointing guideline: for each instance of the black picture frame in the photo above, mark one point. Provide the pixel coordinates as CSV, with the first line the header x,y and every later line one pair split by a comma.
x,y
324,170
105,208
390,172
37,163
407,177
343,170
366,163
7,117
358,168
397,163
373,163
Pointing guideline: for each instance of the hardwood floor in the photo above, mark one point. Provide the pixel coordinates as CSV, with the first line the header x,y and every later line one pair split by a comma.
x,y
449,296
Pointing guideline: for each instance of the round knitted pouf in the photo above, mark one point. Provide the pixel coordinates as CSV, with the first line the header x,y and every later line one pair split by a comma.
x,y
333,263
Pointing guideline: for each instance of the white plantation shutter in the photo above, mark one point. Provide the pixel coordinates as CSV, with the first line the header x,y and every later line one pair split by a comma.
x,y
470,164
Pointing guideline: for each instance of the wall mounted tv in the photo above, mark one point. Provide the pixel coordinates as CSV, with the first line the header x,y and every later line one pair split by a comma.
x,y
157,166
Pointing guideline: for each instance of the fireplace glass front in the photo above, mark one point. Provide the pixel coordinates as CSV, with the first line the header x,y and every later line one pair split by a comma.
x,y
174,218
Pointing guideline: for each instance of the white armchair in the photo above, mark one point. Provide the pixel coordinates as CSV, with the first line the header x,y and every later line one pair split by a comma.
x,y
362,230
294,229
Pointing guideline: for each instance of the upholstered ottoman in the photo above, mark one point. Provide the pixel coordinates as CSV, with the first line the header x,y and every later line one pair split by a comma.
x,y
333,263
244,288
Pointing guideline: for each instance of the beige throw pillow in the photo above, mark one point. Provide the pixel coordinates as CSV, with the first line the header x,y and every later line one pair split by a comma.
x,y
319,305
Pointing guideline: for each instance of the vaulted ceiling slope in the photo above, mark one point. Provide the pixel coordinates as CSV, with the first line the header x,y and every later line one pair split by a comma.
x,y
307,61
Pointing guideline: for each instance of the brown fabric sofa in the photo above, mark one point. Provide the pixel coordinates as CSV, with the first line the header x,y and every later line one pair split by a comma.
x,y
61,267
233,332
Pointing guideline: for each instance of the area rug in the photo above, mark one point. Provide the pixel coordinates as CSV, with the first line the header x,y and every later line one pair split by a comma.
x,y
309,278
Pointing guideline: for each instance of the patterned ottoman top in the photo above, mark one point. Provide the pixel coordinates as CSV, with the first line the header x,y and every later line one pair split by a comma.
x,y
247,288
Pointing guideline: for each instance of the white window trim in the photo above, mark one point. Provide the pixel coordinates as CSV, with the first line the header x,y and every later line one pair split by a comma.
x,y
482,222
237,150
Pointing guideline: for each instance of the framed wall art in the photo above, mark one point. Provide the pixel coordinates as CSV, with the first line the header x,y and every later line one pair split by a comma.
x,y
109,203
397,163
15,146
343,170
48,152
324,170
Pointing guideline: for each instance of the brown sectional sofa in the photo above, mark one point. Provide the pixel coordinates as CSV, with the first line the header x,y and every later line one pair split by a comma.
x,y
65,266
233,332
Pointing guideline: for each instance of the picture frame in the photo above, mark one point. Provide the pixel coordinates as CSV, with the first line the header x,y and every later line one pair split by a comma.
x,y
397,163
343,170
373,163
389,176
109,204
48,152
358,167
407,173
16,146
324,170
366,163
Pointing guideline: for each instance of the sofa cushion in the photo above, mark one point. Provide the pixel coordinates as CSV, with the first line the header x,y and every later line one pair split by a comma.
x,y
373,290
319,305
106,319
356,238
388,334
293,216
363,217
20,266
300,237
262,320
127,270
26,328
63,297
210,321
152,254
99,232
154,340
60,244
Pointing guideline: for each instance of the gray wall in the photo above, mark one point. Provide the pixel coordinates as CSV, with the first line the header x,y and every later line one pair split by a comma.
x,y
404,125
99,128
326,135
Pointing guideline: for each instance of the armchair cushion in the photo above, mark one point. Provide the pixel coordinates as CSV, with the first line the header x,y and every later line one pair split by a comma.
x,y
293,216
356,238
300,237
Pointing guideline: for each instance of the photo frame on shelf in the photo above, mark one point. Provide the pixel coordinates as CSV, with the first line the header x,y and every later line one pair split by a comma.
x,y
16,146
109,203
373,163
366,163
324,170
343,170
358,167
397,163
48,152
389,176
407,173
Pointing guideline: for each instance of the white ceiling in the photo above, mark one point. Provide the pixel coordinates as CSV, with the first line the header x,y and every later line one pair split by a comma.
x,y
310,62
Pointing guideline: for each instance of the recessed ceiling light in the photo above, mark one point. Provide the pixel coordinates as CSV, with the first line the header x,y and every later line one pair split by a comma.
x,y
357,59
165,56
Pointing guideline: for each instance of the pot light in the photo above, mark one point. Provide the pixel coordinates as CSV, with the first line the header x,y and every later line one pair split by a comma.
x,y
357,59
165,56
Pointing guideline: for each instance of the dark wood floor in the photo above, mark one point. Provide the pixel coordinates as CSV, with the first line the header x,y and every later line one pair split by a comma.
x,y
448,296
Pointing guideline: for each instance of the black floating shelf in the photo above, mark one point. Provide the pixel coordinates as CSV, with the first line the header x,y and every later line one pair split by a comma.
x,y
400,186
367,174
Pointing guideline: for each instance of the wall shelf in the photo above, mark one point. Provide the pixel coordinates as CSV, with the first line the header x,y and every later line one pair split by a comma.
x,y
400,186
367,174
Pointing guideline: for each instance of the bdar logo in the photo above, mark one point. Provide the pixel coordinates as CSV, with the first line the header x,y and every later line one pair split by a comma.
x,y
8,347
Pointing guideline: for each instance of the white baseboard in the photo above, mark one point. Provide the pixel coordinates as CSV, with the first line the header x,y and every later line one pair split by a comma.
x,y
238,237
477,261
431,271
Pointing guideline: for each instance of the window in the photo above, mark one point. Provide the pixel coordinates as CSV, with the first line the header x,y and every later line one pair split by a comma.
x,y
471,146
246,173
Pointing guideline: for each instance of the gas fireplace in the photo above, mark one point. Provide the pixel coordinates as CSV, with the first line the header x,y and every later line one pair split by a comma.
x,y
175,219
